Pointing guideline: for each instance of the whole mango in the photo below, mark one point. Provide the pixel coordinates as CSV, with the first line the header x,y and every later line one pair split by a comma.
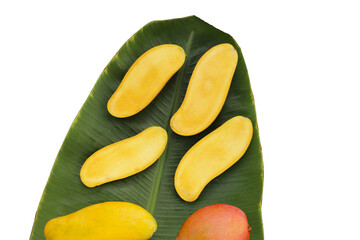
x,y
105,221
216,222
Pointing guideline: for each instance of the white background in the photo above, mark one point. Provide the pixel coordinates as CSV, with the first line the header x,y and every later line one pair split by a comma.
x,y
303,59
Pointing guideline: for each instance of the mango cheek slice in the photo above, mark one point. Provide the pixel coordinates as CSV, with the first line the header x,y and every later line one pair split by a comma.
x,y
145,79
207,90
211,156
124,158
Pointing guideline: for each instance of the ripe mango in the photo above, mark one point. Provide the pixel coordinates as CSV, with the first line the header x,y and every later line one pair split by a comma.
x,y
216,222
207,90
124,158
211,156
105,221
145,79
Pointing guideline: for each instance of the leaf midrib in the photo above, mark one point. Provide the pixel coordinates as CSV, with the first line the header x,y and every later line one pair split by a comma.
x,y
161,161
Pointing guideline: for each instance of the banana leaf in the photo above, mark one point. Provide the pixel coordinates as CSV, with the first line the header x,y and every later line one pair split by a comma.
x,y
153,188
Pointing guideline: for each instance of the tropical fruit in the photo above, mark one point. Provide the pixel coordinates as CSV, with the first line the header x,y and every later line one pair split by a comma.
x,y
105,221
124,158
216,222
211,156
145,79
207,90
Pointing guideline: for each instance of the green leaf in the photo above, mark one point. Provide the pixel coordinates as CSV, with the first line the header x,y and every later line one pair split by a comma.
x,y
153,189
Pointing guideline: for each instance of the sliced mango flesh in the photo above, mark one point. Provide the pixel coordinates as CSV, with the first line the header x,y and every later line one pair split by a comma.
x,y
211,156
145,79
207,90
105,221
124,158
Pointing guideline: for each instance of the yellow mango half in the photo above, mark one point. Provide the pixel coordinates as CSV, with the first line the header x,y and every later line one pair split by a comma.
x,y
211,156
124,158
207,90
105,221
145,79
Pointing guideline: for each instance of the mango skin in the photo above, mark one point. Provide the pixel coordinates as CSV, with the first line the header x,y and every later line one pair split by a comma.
x,y
216,222
105,221
211,156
